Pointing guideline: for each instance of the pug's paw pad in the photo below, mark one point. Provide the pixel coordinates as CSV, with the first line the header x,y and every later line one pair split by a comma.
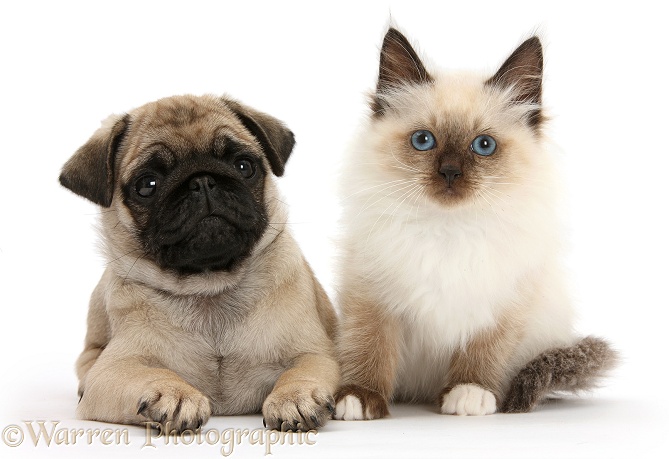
x,y
468,400
355,403
297,407
175,406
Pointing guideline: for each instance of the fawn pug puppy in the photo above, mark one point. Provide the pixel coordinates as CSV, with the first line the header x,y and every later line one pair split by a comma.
x,y
207,306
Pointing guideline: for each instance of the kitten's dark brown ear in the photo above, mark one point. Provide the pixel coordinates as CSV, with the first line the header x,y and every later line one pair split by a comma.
x,y
399,65
90,171
276,140
523,72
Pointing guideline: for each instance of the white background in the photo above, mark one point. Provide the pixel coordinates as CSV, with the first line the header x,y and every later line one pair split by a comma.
x,y
65,66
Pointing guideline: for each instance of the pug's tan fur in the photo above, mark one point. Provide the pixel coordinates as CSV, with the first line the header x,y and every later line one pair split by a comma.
x,y
166,346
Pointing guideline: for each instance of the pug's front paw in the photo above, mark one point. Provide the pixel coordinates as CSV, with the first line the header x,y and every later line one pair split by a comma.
x,y
175,405
296,407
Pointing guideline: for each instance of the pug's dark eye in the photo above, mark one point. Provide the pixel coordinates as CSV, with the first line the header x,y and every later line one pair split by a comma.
x,y
146,186
423,140
484,145
245,167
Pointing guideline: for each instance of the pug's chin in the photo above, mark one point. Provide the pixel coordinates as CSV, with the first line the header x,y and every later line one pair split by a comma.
x,y
215,245
206,262
165,276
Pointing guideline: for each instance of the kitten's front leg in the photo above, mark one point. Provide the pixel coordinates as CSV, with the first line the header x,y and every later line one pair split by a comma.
x,y
476,373
368,353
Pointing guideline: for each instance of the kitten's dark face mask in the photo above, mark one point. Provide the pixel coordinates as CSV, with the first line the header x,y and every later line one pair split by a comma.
x,y
452,159
455,163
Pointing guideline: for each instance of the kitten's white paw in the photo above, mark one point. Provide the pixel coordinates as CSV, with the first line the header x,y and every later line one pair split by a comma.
x,y
356,403
349,408
469,400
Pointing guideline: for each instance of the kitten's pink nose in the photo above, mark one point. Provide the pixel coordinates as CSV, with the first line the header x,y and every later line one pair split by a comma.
x,y
450,173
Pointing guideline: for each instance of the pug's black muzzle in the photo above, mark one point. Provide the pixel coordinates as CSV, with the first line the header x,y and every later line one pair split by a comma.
x,y
210,221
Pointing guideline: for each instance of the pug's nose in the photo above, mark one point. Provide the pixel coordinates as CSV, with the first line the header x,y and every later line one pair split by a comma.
x,y
202,183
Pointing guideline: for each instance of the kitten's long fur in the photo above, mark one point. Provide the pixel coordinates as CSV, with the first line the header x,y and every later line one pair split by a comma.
x,y
450,280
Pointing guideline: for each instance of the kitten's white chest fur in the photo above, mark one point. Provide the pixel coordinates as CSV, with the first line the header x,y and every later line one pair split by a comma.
x,y
451,279
450,275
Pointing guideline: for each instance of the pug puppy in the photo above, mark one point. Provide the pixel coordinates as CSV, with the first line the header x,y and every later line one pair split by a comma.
x,y
207,306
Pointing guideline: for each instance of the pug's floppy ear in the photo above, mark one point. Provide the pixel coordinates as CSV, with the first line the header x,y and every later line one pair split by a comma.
x,y
276,140
90,171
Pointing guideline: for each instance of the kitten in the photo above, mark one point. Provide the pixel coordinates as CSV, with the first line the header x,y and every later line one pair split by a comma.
x,y
450,280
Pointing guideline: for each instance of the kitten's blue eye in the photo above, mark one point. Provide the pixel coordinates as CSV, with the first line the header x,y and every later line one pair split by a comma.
x,y
484,145
423,140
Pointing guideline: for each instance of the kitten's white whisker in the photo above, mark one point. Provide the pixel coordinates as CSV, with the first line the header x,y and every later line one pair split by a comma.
x,y
423,195
384,212
492,207
383,197
378,163
497,193
405,169
374,186
414,194
518,179
496,198
405,165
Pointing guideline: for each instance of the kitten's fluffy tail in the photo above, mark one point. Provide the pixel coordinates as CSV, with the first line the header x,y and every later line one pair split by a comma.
x,y
569,369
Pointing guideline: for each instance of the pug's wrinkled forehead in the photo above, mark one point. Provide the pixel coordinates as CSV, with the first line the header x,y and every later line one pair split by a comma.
x,y
172,129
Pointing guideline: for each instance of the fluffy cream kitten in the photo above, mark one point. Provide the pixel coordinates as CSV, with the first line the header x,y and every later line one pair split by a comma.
x,y
451,285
